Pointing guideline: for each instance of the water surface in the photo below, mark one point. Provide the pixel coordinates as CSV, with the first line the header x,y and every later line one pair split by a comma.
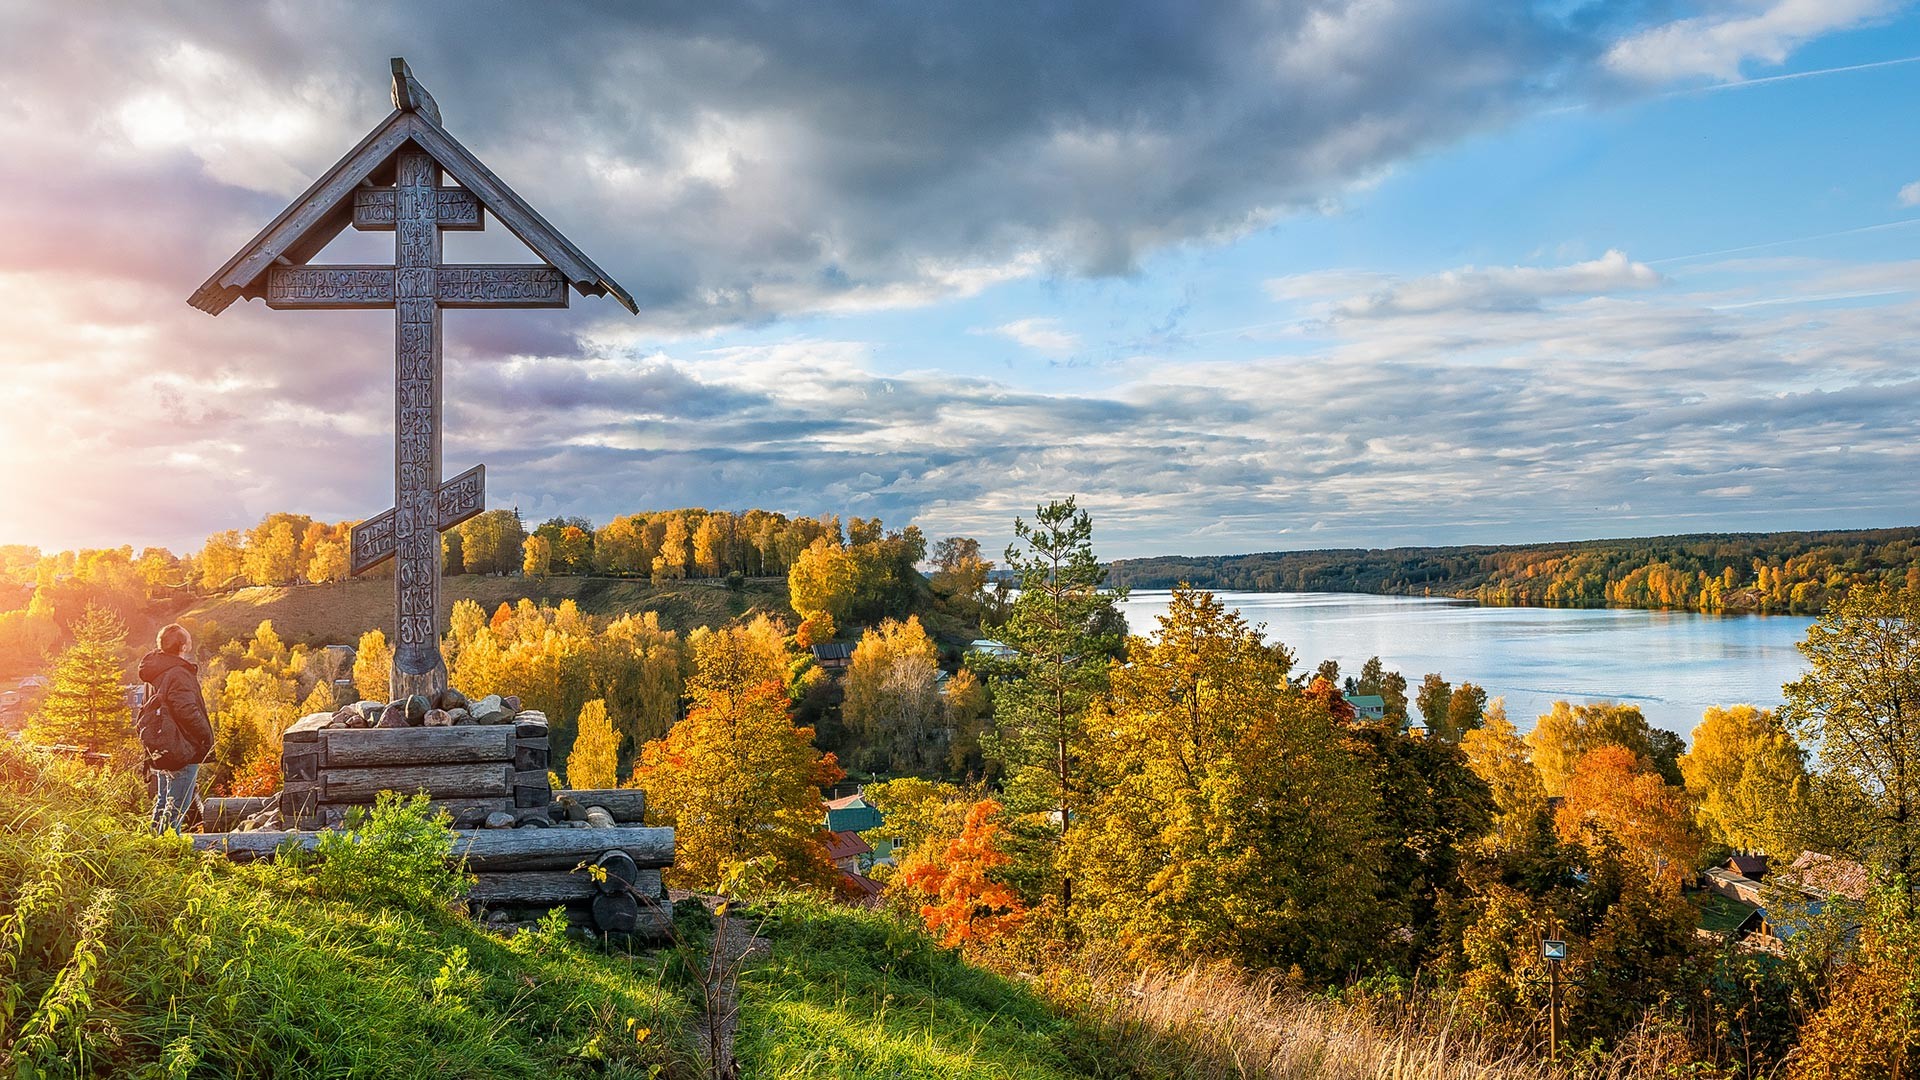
x,y
1672,664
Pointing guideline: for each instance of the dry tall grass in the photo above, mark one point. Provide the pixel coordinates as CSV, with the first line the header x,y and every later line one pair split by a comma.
x,y
1221,1025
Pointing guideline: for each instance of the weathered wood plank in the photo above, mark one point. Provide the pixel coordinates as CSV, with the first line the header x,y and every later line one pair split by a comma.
x,y
374,747
480,286
494,850
372,542
329,288
480,780
458,210
223,815
627,806
307,728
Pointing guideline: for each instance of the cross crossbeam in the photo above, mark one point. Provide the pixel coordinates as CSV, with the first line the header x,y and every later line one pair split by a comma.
x,y
411,150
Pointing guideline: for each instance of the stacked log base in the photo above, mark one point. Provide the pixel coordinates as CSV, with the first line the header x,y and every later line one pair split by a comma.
x,y
526,872
471,771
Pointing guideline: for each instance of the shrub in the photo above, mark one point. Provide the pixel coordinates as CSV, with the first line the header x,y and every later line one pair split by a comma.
x,y
398,857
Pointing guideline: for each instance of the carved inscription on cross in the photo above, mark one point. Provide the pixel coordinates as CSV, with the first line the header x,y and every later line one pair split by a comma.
x,y
413,150
416,209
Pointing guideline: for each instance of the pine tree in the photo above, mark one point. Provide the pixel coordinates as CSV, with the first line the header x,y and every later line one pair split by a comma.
x,y
87,704
1065,630
595,759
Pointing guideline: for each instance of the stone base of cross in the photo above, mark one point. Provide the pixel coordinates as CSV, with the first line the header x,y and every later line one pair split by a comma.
x,y
392,183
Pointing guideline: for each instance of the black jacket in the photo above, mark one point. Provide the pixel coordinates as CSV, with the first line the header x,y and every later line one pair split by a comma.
x,y
177,682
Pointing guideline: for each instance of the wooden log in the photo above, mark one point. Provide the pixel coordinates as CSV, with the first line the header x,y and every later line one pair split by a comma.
x,y
487,779
533,887
300,766
616,913
598,817
224,815
622,876
626,806
466,813
527,758
379,747
530,729
495,850
532,787
299,799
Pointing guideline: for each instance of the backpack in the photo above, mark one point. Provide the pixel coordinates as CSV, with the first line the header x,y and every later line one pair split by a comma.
x,y
168,748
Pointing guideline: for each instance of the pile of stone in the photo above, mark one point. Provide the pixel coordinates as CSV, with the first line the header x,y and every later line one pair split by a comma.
x,y
448,708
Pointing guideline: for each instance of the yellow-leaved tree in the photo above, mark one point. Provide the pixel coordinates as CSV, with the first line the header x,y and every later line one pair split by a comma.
x,y
893,699
1497,754
1564,735
595,759
736,778
966,902
1231,822
373,666
1748,778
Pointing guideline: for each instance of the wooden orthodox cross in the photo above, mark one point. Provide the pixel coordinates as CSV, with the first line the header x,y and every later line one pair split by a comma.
x,y
391,182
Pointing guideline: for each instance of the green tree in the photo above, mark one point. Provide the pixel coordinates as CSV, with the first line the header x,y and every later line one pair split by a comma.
x,y
86,705
1062,630
1860,704
1230,822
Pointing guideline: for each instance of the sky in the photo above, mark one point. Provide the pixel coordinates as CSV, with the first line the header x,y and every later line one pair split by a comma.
x,y
1240,276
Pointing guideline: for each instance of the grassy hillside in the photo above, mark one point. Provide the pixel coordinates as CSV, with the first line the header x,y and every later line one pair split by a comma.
x,y
329,614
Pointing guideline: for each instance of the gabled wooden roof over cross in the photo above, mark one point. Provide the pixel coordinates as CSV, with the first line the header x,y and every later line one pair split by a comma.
x,y
392,182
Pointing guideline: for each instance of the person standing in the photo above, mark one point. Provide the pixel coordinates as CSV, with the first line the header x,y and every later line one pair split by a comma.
x,y
173,688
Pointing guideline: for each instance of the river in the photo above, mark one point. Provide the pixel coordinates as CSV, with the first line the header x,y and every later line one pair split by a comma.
x,y
1672,664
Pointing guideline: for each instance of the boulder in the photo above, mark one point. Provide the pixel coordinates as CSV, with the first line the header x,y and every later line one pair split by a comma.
x,y
512,702
369,709
437,718
461,718
450,699
490,710
348,717
418,706
393,716
500,819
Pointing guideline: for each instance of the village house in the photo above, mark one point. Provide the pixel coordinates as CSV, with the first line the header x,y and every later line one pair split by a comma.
x,y
833,656
1816,883
993,650
1367,706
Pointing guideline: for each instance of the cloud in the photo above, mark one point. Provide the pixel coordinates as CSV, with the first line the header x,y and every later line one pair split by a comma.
x,y
1910,194
1041,335
1719,44
1470,288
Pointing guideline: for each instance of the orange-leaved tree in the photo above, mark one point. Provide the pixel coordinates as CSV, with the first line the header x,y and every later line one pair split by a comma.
x,y
1619,792
965,904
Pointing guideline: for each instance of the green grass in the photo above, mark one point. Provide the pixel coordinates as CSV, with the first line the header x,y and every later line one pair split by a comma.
x,y
340,613
855,994
125,954
1718,913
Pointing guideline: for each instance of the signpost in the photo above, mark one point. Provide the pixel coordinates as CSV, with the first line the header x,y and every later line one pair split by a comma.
x,y
392,182
1554,951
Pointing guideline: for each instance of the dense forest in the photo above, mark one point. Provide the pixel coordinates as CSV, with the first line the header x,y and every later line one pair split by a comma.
x,y
1785,572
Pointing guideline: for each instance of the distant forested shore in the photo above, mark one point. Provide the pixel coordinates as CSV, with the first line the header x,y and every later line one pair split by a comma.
x,y
1782,572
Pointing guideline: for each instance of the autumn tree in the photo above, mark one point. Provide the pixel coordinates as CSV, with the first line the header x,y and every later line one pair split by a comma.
x,y
922,815
537,562
1748,779
1230,821
824,578
960,574
1619,793
738,781
87,705
1434,700
1566,733
594,761
965,904
220,561
709,546
1466,708
675,552
1391,686
491,543
329,562
1498,755
373,666
1860,704
893,697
